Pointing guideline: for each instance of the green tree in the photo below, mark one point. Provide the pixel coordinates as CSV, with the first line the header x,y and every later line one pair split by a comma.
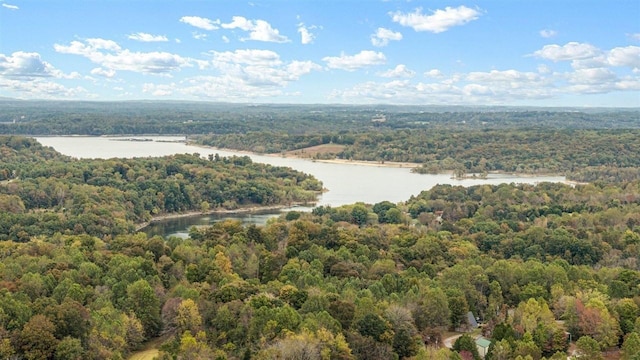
x,y
69,348
374,326
500,350
37,340
628,311
526,347
343,311
188,317
631,347
71,319
588,348
432,310
194,347
144,302
359,214
406,342
466,344
458,309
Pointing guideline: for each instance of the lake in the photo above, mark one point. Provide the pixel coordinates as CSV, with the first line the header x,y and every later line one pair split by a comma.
x,y
347,183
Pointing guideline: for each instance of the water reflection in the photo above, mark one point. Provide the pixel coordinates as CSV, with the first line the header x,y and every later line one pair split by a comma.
x,y
180,226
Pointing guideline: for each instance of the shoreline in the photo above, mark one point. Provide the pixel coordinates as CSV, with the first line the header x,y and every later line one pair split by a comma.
x,y
388,164
244,210
392,164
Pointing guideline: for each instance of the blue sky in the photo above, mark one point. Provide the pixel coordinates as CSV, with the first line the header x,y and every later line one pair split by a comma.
x,y
508,52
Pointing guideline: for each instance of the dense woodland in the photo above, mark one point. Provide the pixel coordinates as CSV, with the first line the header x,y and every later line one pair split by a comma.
x,y
543,267
536,264
583,144
43,192
355,282
172,117
583,155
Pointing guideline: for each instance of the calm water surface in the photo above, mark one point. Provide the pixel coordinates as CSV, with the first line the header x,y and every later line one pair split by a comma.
x,y
346,183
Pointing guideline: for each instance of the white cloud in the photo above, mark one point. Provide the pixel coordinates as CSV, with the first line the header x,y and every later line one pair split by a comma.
x,y
10,7
433,73
501,87
247,74
625,56
200,22
41,88
635,36
400,71
544,69
353,62
299,68
227,88
26,65
108,73
248,57
306,37
199,36
628,84
225,39
144,37
239,22
595,76
109,55
569,51
476,89
439,21
512,77
259,30
158,90
98,43
547,33
383,36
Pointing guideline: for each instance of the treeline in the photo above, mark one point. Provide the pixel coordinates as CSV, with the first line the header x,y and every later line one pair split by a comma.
x,y
144,117
43,192
536,264
583,144
582,155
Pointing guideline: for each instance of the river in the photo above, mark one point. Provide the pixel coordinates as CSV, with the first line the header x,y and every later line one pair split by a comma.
x,y
347,183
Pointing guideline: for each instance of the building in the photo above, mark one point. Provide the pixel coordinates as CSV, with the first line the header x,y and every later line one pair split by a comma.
x,y
482,344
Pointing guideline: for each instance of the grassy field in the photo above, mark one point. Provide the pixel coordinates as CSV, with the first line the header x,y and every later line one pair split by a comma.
x,y
149,349
312,151
148,354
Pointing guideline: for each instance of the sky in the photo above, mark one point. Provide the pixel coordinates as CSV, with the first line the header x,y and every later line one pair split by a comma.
x,y
583,53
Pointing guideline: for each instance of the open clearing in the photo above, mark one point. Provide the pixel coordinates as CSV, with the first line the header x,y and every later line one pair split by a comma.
x,y
313,151
144,354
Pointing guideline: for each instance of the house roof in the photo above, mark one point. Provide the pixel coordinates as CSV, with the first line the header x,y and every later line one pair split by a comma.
x,y
482,342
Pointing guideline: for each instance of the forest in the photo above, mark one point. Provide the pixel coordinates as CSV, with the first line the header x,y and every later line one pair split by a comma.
x,y
43,192
583,144
355,282
549,270
540,266
580,154
195,118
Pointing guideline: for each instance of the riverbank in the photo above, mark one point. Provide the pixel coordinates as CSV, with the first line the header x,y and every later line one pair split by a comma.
x,y
368,163
304,156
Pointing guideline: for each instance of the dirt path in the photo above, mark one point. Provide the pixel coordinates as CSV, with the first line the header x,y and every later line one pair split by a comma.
x,y
449,341
149,350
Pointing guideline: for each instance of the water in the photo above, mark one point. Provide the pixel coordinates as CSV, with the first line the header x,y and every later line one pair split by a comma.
x,y
347,183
